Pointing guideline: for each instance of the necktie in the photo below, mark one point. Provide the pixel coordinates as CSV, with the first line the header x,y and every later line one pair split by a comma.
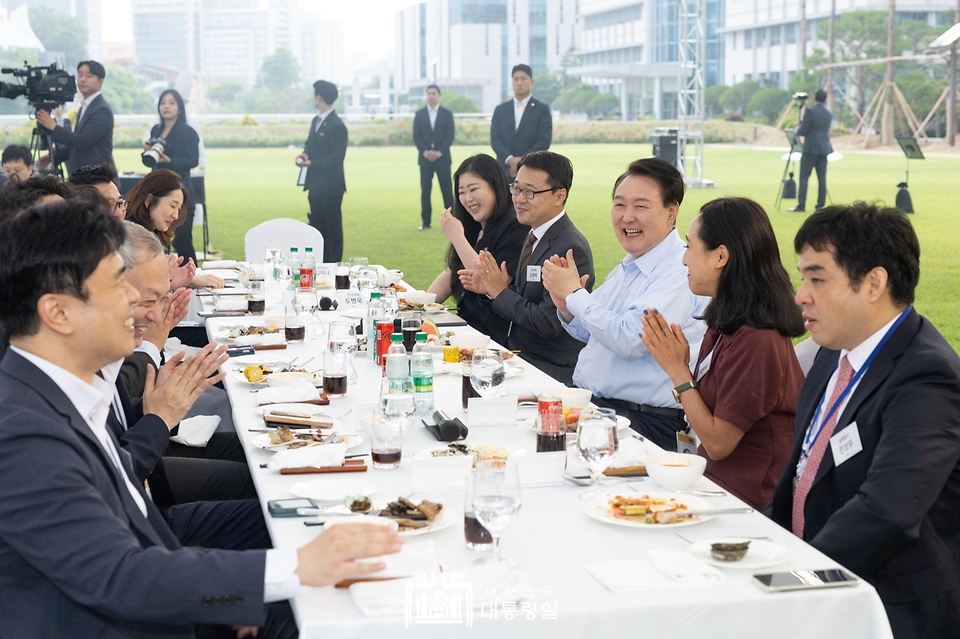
x,y
819,448
80,115
525,256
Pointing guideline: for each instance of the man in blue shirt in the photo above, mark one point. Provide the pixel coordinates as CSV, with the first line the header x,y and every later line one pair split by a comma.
x,y
615,365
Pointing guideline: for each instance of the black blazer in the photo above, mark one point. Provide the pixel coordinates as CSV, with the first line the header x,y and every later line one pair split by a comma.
x,y
437,139
891,513
326,149
815,129
536,329
77,557
534,134
92,142
182,146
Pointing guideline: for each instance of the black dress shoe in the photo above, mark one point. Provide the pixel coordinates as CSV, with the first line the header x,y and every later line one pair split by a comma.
x,y
797,209
423,227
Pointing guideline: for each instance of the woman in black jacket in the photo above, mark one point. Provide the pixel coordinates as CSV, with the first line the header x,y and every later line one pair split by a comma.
x,y
181,152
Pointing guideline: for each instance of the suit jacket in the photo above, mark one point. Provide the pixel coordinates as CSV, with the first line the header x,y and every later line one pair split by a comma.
x,y
437,139
815,129
92,142
890,513
534,133
536,330
77,557
326,147
182,146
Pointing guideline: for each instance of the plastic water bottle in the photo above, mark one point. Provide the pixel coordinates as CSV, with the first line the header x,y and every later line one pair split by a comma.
x,y
308,268
374,314
398,366
294,263
421,367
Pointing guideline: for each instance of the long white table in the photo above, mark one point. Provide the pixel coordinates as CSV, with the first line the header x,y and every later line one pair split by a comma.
x,y
554,540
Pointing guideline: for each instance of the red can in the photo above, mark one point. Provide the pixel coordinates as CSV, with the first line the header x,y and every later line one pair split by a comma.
x,y
550,411
384,331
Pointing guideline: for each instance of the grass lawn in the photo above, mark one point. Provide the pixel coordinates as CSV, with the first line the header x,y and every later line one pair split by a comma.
x,y
381,208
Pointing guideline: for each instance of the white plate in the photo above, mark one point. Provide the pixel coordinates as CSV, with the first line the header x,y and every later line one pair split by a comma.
x,y
623,424
760,554
317,379
441,367
331,490
428,452
262,440
445,520
599,510
262,360
307,410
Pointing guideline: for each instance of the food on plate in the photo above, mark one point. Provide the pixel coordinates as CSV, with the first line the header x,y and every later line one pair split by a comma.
x,y
729,551
283,435
649,510
433,307
480,452
404,305
359,504
253,374
571,415
280,435
411,516
240,331
397,288
256,374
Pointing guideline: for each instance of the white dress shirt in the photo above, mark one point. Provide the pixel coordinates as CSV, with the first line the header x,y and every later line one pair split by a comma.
x,y
519,106
432,114
322,117
83,106
541,230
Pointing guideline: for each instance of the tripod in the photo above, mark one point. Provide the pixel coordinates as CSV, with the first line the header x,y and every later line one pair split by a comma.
x,y
39,142
788,188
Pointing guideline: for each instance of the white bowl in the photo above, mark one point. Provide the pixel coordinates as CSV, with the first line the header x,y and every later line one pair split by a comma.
x,y
572,397
417,296
675,471
469,341
389,277
285,379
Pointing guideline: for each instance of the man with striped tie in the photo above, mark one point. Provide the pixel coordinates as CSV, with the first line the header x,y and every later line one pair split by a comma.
x,y
874,478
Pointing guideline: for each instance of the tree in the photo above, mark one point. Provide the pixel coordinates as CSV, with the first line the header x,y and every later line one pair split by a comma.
x,y
455,102
122,90
711,99
547,86
225,92
60,32
575,99
279,69
768,103
603,104
737,97
921,92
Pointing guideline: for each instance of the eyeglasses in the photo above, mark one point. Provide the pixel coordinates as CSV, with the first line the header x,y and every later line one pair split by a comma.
x,y
527,193
120,205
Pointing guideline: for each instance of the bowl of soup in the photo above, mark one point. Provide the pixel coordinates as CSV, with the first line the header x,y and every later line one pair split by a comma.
x,y
675,471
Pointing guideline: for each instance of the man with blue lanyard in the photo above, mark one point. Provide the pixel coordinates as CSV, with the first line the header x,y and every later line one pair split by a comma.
x,y
874,478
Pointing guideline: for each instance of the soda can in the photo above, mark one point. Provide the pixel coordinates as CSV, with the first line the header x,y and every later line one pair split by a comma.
x,y
384,331
550,414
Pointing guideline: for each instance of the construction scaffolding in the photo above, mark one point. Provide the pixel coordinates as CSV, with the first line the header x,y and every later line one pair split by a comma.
x,y
691,82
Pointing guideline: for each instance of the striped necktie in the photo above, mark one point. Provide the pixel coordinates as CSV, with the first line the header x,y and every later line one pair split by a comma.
x,y
525,256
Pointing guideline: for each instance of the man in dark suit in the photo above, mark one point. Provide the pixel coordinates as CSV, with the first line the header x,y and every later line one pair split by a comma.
x,y
815,129
323,152
433,132
92,142
874,478
539,194
83,550
521,125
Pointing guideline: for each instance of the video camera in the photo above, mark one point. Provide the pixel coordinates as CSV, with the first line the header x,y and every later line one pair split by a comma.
x,y
800,97
45,88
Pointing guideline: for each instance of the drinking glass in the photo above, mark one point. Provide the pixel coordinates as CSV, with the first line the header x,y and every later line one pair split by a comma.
x,y
342,342
294,328
397,408
256,297
486,371
367,281
283,276
342,277
273,257
356,263
597,441
391,306
477,537
334,375
305,304
410,324
496,499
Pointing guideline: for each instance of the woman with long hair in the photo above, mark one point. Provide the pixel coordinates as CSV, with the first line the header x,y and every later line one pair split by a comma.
x,y
741,398
158,203
482,219
181,152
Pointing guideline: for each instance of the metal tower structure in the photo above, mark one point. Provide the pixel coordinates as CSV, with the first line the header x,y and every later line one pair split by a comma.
x,y
691,82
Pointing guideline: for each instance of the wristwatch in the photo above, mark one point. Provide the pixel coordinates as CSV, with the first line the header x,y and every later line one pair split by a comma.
x,y
677,390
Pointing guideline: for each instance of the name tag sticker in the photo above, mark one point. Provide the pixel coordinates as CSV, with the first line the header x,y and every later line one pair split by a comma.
x,y
686,443
533,273
846,444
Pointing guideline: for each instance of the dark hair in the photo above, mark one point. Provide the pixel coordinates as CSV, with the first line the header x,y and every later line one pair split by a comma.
x,y
820,95
16,152
326,90
95,68
93,174
862,237
487,169
148,190
181,113
754,288
661,172
50,248
558,168
523,67
92,195
432,86
17,196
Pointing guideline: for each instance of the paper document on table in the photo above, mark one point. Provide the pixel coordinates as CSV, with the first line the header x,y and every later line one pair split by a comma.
x,y
441,473
492,411
661,570
539,469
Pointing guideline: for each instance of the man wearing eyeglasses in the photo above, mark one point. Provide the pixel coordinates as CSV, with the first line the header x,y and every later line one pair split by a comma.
x,y
102,177
539,195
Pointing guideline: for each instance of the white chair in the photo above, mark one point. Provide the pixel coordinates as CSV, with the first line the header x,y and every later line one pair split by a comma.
x,y
806,352
284,232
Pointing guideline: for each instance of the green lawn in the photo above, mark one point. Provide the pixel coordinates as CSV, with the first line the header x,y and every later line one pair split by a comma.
x,y
381,207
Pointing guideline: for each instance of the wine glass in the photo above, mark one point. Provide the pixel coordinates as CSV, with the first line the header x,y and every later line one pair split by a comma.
x,y
283,275
391,306
486,371
305,304
367,281
342,342
496,499
356,263
597,441
397,408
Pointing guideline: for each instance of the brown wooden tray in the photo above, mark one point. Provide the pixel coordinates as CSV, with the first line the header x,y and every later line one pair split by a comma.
x,y
349,466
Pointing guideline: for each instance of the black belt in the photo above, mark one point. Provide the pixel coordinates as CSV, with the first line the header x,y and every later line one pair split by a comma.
x,y
673,413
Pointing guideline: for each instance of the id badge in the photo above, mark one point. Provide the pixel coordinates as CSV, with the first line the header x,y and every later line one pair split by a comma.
x,y
533,273
846,444
686,443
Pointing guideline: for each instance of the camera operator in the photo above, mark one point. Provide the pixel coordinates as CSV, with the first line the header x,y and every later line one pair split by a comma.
x,y
92,142
174,145
815,129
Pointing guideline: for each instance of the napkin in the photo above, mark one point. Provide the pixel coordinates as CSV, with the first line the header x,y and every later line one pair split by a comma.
x,y
631,452
196,431
320,456
230,305
221,264
661,570
299,391
488,585
267,339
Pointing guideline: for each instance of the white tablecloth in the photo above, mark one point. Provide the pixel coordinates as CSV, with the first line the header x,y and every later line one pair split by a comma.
x,y
554,541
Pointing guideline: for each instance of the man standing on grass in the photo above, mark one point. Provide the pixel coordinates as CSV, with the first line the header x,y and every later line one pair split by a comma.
x,y
433,131
521,125
815,129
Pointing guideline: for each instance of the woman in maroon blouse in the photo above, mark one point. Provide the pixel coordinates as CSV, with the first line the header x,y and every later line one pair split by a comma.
x,y
741,399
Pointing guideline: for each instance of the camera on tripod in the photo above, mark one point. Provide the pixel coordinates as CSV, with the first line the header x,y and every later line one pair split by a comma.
x,y
45,88
151,157
800,97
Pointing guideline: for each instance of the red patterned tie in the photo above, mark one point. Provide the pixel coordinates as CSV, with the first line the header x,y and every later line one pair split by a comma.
x,y
819,448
